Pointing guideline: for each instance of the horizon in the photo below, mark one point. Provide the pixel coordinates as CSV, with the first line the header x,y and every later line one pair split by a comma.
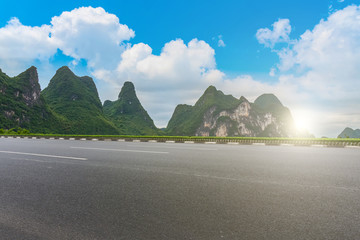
x,y
306,56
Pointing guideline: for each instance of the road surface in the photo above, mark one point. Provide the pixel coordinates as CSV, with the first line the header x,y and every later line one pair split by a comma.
x,y
63,189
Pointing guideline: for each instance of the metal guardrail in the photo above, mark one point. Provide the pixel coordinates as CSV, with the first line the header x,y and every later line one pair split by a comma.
x,y
241,141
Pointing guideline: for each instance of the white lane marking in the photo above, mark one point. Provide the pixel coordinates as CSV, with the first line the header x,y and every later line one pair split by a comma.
x,y
136,140
233,143
169,141
318,145
182,148
121,140
189,142
287,145
44,155
349,146
152,141
210,142
258,144
120,150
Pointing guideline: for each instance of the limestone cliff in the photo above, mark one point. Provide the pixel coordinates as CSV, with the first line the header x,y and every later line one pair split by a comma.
x,y
216,114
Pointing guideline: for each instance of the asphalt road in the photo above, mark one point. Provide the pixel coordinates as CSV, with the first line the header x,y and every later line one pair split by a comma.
x,y
63,189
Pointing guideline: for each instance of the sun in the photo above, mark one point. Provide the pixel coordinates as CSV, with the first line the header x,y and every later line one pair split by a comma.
x,y
303,120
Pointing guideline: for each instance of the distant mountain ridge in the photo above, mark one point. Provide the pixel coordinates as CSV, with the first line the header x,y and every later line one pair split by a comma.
x,y
70,104
350,133
217,114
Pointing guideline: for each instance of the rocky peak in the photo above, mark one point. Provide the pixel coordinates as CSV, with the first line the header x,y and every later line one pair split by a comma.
x,y
127,92
29,82
243,99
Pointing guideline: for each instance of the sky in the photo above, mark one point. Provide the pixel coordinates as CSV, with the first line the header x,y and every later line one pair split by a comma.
x,y
305,52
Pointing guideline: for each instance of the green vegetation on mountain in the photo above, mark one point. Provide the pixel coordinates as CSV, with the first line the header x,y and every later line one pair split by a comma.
x,y
349,133
77,100
71,105
21,105
217,114
186,119
127,113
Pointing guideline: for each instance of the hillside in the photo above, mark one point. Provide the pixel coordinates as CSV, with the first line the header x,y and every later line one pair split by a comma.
x,y
77,100
128,114
21,105
217,114
349,133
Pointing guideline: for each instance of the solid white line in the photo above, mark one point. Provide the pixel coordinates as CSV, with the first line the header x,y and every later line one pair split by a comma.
x,y
44,155
258,144
120,150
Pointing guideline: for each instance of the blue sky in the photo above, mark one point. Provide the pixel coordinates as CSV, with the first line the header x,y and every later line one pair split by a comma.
x,y
174,50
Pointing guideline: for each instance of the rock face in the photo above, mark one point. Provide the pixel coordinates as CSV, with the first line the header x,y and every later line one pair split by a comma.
x,y
128,114
76,99
21,104
216,114
349,133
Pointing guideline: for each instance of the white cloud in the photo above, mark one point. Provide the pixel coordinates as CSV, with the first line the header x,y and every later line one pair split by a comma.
x,y
272,72
91,34
85,33
21,45
279,33
328,57
221,42
324,63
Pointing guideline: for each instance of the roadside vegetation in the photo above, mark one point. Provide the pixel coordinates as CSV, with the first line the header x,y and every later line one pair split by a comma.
x,y
20,132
